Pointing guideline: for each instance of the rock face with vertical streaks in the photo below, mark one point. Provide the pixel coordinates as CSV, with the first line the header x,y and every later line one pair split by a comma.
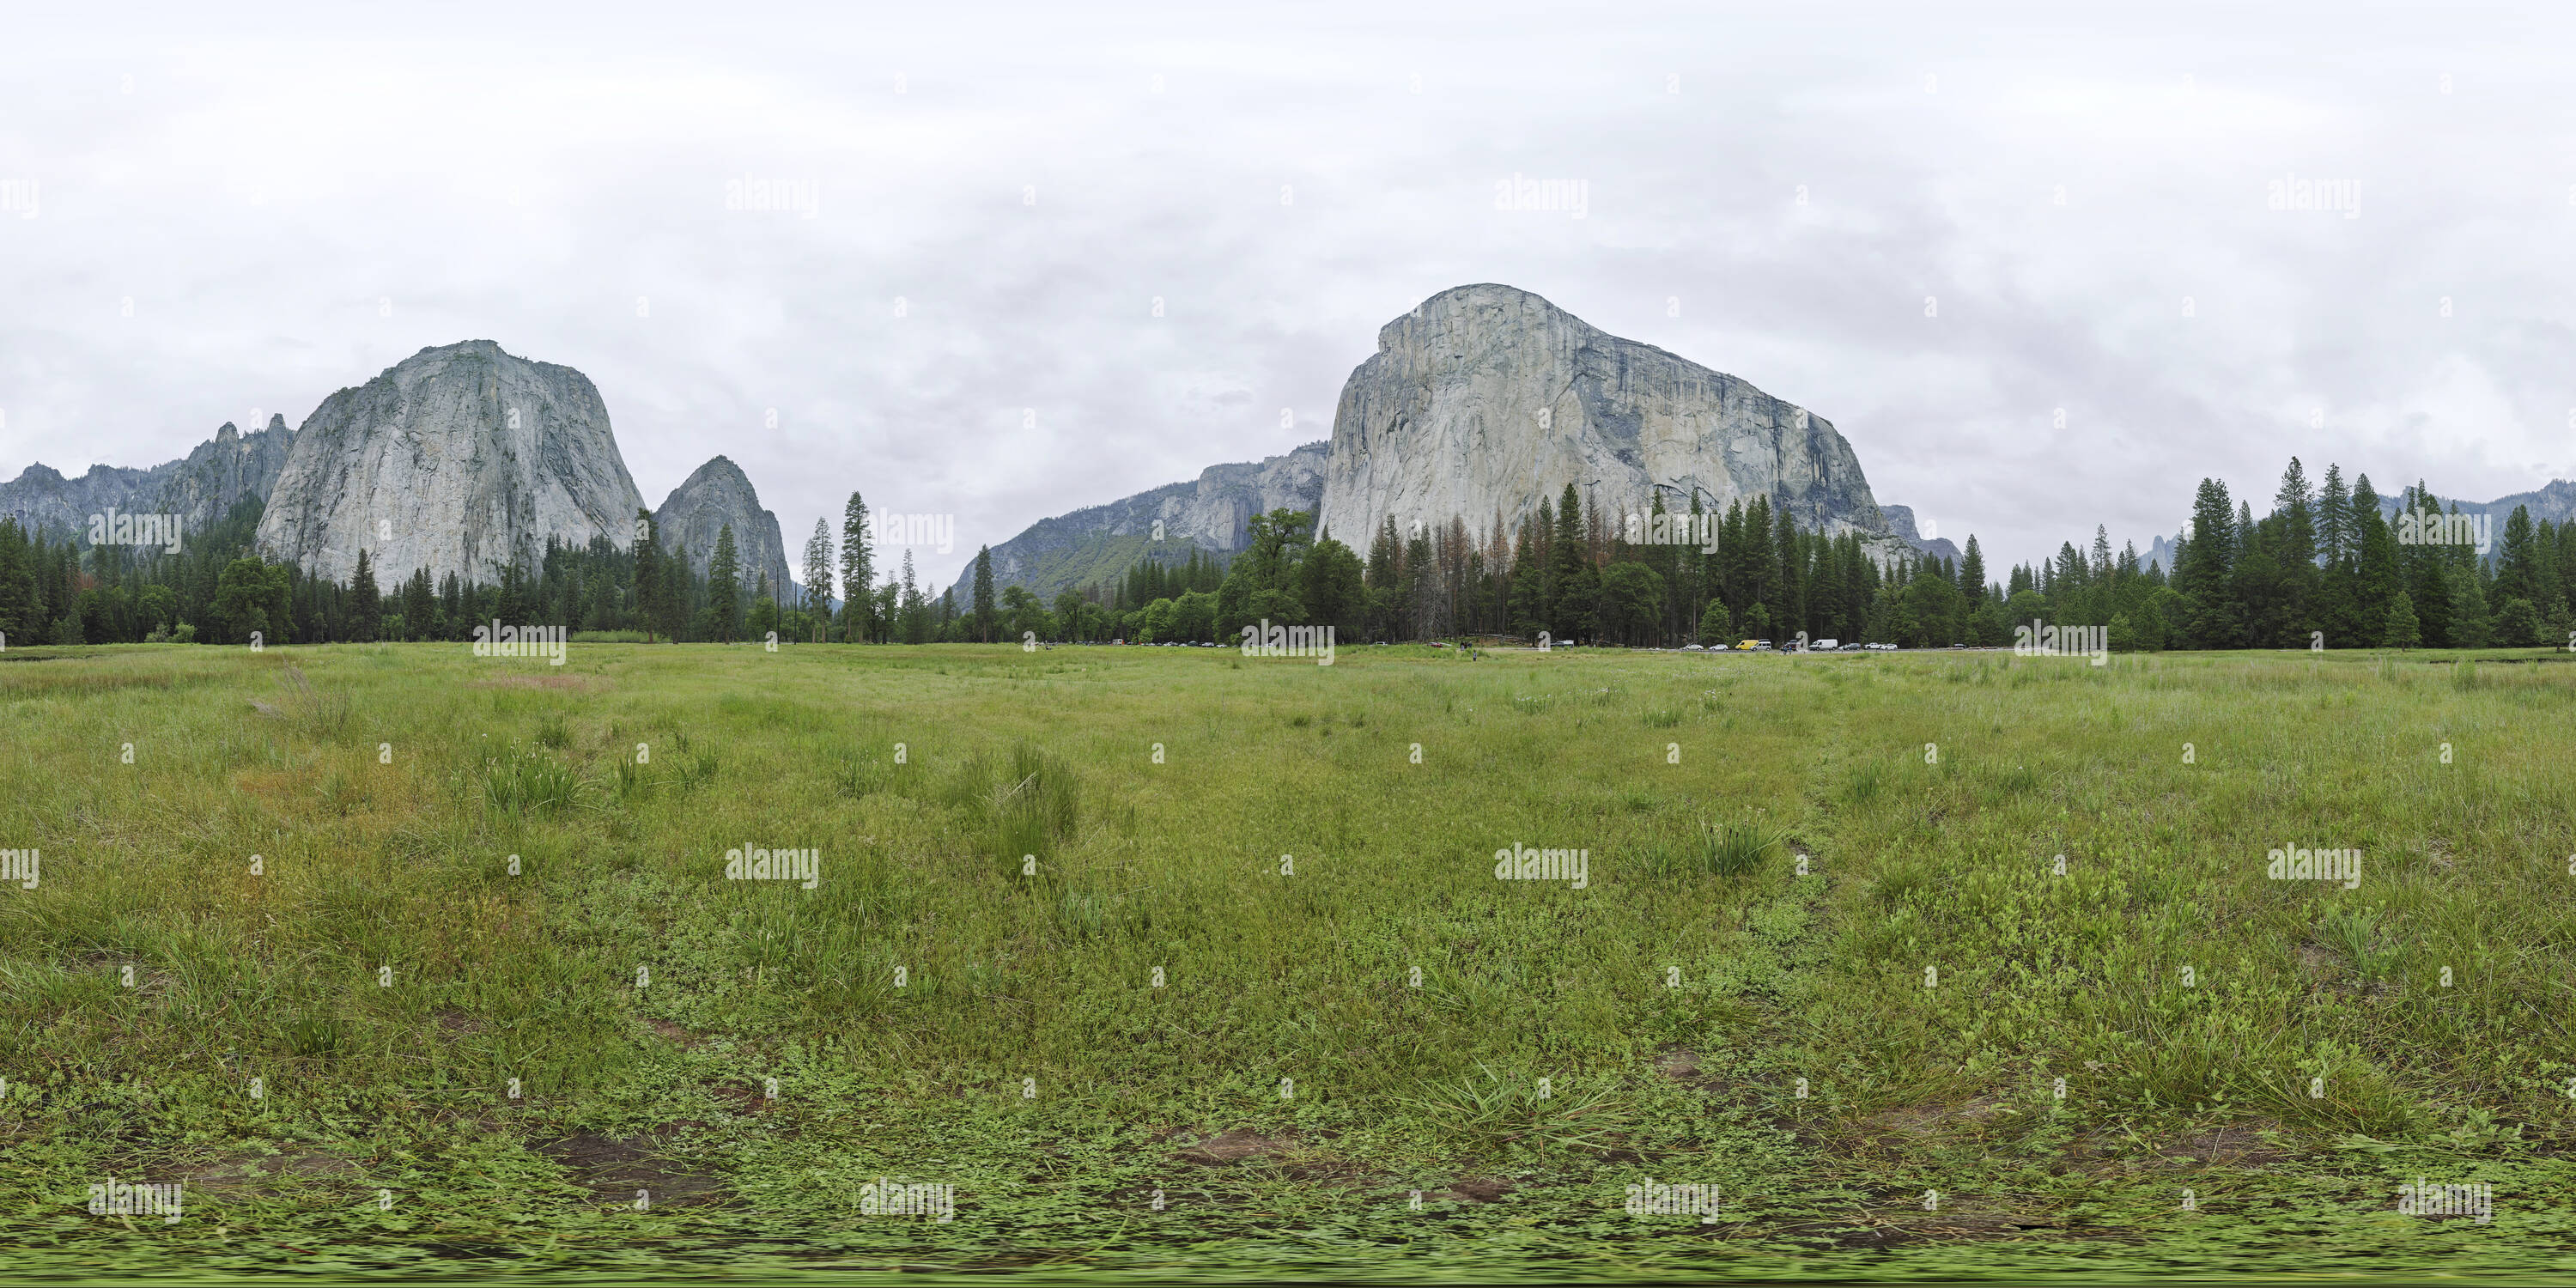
x,y
456,459
1487,399
717,495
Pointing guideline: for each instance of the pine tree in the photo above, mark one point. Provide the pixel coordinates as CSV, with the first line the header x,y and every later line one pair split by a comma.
x,y
2470,627
1750,561
818,574
366,604
2429,580
724,586
2337,611
648,575
2516,572
2375,579
1664,558
2335,531
858,567
2401,630
1570,572
911,603
983,626
678,585
20,607
1788,576
2204,570
1694,564
2296,555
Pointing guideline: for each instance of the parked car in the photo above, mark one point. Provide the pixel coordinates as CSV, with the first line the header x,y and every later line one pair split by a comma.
x,y
1826,645
1692,648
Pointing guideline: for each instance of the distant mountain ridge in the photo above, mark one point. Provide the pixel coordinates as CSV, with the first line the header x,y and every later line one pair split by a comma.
x,y
200,487
2554,501
1099,543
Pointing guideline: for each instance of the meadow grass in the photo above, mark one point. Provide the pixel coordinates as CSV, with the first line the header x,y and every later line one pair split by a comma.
x,y
1178,958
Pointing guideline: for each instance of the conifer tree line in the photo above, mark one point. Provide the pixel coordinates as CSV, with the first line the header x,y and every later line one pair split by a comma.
x,y
218,591
2323,564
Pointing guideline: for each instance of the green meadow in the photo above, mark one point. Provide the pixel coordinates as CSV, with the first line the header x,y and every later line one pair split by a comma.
x,y
401,961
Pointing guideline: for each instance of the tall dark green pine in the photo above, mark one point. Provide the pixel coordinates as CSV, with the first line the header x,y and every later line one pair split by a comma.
x,y
678,587
2549,573
1788,579
2401,629
2295,503
2375,579
2471,626
2516,559
365,603
858,568
21,610
724,585
2427,571
648,576
1665,558
1569,570
2204,570
984,594
2337,613
1528,582
1693,587
1754,560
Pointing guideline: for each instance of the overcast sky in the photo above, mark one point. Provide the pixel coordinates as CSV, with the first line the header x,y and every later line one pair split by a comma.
x,y
295,199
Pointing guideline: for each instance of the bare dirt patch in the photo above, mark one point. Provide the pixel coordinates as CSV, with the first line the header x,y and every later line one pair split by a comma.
x,y
1683,1066
1925,1121
2242,1144
673,1032
628,1171
742,1098
1226,1149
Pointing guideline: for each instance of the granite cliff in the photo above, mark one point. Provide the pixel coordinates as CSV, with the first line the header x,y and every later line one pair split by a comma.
x,y
456,459
1486,400
696,511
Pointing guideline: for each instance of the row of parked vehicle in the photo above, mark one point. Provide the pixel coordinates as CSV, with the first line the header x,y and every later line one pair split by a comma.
x,y
1791,646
